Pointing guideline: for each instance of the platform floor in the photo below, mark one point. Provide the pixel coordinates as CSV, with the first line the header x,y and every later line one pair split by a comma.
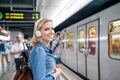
x,y
7,71
71,75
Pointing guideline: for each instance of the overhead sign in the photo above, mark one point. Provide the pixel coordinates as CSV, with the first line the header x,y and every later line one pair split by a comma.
x,y
24,16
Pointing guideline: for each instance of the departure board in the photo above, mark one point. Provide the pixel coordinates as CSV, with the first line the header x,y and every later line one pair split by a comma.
x,y
24,16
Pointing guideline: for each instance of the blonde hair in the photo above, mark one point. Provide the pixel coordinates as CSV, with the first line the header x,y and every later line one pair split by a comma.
x,y
38,26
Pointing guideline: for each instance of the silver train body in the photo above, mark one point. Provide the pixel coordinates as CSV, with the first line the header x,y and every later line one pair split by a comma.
x,y
88,45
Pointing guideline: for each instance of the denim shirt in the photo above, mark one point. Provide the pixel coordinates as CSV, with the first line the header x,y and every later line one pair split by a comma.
x,y
42,63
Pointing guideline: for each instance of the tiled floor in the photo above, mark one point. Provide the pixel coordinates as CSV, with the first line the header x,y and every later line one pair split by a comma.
x,y
7,72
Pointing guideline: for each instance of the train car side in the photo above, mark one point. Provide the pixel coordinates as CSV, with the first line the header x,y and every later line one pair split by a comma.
x,y
88,45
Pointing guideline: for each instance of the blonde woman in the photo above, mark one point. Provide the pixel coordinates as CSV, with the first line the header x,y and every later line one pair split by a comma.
x,y
41,60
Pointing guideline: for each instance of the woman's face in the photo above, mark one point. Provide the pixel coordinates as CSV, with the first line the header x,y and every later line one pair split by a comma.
x,y
47,32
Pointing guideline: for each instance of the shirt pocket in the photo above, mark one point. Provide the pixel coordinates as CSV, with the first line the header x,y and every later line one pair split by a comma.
x,y
50,64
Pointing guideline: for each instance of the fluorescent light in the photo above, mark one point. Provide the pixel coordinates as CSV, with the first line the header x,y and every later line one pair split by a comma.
x,y
4,37
72,7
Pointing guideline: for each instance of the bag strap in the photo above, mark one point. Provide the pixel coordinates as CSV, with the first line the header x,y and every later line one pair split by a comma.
x,y
24,46
57,43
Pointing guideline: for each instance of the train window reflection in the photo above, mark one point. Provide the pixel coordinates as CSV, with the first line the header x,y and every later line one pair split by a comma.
x,y
70,41
114,39
92,40
81,41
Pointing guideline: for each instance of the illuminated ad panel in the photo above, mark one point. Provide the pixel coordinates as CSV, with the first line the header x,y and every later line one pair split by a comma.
x,y
4,32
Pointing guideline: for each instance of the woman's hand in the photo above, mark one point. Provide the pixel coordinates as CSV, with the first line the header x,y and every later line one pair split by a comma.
x,y
58,72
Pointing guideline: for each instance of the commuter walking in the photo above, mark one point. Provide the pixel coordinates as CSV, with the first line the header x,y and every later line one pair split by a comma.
x,y
4,50
41,60
17,49
56,47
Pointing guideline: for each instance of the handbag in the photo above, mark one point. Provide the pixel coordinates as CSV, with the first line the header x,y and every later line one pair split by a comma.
x,y
23,73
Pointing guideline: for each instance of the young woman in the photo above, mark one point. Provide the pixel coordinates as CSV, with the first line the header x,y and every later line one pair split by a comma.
x,y
41,60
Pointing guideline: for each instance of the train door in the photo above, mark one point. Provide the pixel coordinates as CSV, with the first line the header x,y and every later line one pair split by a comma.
x,y
81,50
92,50
88,50
70,48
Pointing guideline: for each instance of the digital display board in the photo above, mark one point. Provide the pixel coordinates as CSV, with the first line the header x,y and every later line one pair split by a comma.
x,y
24,16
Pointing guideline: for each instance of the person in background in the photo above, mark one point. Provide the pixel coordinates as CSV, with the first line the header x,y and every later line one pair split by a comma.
x,y
56,47
16,50
116,50
41,60
29,46
4,52
27,52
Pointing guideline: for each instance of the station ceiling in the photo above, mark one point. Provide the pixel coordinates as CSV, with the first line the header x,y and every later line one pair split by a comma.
x,y
30,5
90,9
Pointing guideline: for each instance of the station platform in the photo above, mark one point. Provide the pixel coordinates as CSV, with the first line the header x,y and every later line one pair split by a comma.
x,y
7,72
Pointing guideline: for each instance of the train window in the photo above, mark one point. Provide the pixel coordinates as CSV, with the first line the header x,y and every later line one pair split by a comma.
x,y
70,41
92,40
114,39
81,41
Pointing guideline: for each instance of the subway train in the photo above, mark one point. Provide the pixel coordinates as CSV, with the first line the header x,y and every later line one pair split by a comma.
x,y
91,47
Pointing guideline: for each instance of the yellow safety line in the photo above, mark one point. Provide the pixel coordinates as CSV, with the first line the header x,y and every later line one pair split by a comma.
x,y
68,78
